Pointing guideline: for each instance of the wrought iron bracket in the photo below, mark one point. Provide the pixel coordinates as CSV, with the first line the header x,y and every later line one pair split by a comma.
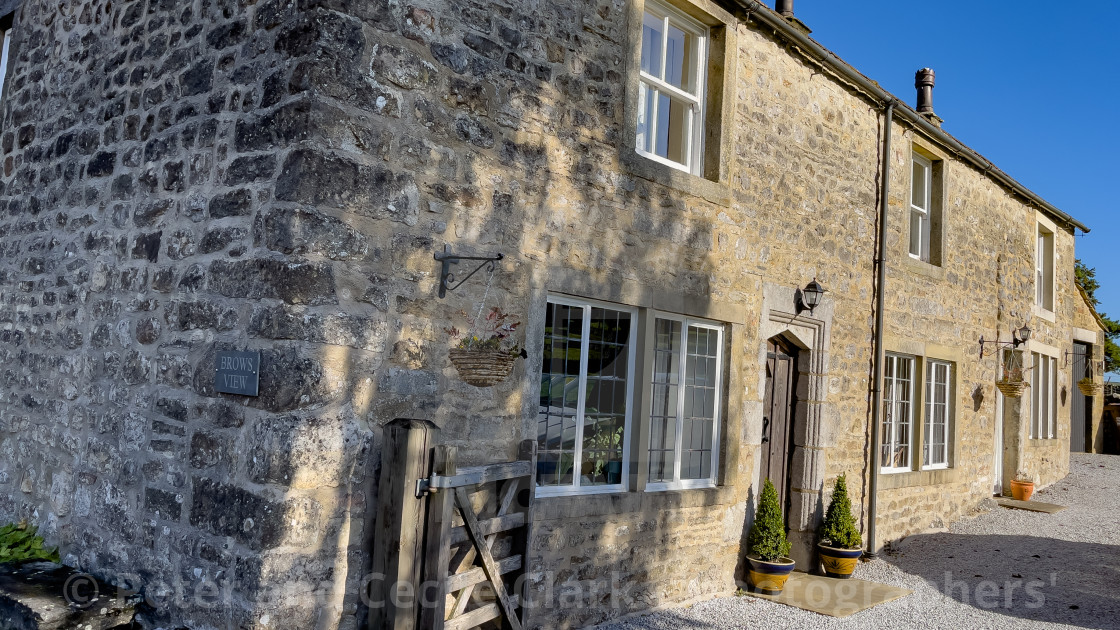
x,y
447,279
1014,343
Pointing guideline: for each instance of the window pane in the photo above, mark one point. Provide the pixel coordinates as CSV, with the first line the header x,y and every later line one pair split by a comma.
x,y
700,388
937,414
886,433
645,115
652,34
559,404
604,423
897,412
664,389
680,59
672,129
917,220
1035,394
918,186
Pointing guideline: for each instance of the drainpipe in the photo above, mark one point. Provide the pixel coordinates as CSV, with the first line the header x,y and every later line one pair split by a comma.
x,y
880,302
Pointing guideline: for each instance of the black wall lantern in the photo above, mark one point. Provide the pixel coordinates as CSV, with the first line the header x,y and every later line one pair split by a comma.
x,y
810,296
1018,338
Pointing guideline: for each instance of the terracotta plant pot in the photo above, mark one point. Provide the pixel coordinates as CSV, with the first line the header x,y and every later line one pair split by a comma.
x,y
769,578
1022,490
482,368
839,563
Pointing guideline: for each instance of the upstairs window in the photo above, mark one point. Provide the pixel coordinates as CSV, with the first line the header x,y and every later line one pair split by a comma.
x,y
921,206
5,40
1044,269
671,88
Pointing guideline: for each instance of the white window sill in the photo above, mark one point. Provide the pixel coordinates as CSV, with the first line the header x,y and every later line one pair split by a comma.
x,y
694,484
936,467
1044,313
569,491
894,471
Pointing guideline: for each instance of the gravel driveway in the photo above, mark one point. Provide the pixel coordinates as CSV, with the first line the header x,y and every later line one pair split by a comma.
x,y
1002,569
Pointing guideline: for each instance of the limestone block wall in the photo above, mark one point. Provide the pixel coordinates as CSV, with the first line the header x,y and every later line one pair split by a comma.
x,y
1085,319
146,225
277,176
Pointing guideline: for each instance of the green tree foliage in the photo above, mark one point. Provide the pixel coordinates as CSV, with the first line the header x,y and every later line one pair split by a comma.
x,y
767,539
1086,278
18,543
839,527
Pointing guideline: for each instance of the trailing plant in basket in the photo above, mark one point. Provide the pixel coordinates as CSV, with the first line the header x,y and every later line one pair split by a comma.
x,y
493,332
839,527
18,543
767,539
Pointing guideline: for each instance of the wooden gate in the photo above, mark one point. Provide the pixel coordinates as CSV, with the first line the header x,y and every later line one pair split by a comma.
x,y
476,542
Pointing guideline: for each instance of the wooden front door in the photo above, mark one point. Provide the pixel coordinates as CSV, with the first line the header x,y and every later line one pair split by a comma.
x,y
1082,405
777,420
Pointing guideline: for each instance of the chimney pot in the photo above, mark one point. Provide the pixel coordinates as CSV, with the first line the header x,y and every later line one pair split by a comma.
x,y
784,7
923,81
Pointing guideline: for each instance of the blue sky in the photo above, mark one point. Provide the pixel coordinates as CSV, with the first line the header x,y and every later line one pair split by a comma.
x,y
1032,86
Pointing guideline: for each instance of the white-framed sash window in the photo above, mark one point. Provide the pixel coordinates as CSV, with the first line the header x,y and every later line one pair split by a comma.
x,y
1043,400
685,395
921,202
935,437
898,413
1044,270
671,87
586,397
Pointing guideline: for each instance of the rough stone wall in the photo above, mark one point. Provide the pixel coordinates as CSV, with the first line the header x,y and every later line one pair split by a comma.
x,y
145,227
1085,318
287,174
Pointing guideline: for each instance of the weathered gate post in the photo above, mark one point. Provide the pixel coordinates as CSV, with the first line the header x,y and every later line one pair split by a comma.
x,y
398,536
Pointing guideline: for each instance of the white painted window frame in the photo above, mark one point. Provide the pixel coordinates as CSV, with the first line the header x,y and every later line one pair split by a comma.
x,y
1044,269
892,360
1044,382
924,208
575,488
694,162
678,483
932,366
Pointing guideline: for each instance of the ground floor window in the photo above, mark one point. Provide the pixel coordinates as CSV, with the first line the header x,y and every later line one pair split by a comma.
x,y
590,387
898,397
586,389
684,406
935,438
1043,386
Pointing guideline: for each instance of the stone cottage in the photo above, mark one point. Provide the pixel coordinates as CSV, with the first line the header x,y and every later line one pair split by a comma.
x,y
664,180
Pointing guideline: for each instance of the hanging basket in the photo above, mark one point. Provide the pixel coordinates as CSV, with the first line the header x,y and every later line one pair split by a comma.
x,y
482,367
1089,387
1011,389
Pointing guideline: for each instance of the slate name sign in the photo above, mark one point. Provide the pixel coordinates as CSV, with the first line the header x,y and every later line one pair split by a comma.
x,y
238,372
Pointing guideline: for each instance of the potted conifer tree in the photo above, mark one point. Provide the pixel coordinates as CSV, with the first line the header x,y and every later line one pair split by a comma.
x,y
840,545
767,545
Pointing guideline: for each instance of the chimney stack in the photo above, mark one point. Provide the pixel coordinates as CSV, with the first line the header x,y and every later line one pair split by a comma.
x,y
923,80
784,8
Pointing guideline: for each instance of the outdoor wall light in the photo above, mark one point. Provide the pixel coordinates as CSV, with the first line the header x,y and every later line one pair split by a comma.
x,y
1018,338
810,296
